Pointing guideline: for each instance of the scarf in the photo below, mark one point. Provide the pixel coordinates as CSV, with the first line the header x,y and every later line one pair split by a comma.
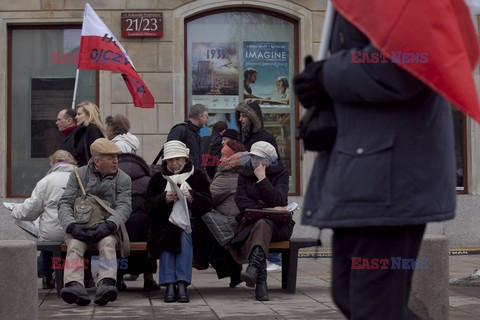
x,y
180,180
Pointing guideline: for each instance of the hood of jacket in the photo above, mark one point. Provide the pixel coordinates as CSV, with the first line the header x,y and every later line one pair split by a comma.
x,y
133,165
129,139
253,112
61,167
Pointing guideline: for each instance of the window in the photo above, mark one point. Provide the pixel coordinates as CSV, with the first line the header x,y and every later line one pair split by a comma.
x,y
42,67
240,55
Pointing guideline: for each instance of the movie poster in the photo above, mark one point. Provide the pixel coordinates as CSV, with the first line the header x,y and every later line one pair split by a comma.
x,y
266,73
215,76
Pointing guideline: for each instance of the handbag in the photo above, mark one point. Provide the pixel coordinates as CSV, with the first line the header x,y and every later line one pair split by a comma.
x,y
89,210
219,226
318,128
253,215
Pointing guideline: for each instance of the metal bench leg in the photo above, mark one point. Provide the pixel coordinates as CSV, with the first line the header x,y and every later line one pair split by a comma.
x,y
285,268
58,272
292,269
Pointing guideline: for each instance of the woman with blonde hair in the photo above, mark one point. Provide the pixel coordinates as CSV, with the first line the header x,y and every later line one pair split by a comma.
x,y
43,205
89,129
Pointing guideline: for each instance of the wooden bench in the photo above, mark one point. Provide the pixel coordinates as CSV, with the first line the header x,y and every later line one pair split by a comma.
x,y
289,250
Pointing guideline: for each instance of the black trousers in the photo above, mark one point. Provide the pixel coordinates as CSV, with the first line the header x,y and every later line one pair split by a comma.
x,y
375,293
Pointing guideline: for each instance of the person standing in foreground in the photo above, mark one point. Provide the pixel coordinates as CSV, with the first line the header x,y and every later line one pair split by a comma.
x,y
391,170
89,129
102,178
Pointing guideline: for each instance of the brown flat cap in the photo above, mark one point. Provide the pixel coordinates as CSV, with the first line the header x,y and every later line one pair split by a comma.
x,y
104,146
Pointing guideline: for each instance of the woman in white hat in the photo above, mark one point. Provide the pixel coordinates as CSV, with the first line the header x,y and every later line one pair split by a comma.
x,y
169,240
264,184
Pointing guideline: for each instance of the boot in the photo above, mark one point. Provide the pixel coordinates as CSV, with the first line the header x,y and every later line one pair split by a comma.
x,y
170,294
235,278
74,292
261,289
182,295
255,262
106,291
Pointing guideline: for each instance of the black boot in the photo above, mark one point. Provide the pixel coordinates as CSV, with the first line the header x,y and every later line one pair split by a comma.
x,y
261,289
257,256
182,295
74,292
170,293
106,291
235,278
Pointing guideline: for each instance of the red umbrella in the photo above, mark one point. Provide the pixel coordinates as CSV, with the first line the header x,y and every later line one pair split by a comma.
x,y
439,30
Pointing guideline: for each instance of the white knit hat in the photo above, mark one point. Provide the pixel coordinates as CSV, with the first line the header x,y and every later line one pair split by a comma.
x,y
264,150
175,149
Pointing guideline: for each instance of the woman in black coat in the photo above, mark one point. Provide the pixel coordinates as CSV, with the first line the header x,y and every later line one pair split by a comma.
x,y
167,240
89,129
262,185
138,223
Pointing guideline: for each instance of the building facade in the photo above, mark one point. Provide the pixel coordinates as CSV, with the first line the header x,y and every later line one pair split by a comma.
x,y
200,53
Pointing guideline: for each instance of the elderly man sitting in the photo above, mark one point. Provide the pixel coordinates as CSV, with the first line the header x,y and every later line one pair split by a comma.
x,y
102,178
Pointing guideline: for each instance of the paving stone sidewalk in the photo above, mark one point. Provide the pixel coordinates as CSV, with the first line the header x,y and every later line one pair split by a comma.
x,y
213,299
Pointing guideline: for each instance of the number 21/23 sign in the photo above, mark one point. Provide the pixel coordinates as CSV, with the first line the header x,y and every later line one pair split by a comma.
x,y
142,24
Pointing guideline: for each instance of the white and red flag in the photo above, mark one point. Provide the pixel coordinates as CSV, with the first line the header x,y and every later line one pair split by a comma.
x,y
100,50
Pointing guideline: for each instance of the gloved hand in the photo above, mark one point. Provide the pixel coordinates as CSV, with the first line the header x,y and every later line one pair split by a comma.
x,y
308,85
103,230
78,232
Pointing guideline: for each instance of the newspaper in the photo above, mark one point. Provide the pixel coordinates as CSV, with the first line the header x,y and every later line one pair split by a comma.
x,y
29,226
180,215
292,206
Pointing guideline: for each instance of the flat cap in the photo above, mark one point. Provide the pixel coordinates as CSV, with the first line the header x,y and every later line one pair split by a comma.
x,y
103,146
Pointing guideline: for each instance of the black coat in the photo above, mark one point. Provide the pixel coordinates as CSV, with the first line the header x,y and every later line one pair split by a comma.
x,y
163,234
188,133
393,161
84,136
68,141
271,192
138,223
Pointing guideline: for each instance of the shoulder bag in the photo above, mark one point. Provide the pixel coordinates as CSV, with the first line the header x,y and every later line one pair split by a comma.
x,y
90,210
253,215
219,226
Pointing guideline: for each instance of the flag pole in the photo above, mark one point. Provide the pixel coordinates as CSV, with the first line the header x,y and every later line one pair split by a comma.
x,y
75,89
326,31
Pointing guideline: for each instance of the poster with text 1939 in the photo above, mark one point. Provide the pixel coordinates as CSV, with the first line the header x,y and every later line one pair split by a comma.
x,y
266,73
214,69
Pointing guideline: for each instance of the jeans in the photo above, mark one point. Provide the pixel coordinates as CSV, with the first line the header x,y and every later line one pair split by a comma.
x,y
177,266
275,258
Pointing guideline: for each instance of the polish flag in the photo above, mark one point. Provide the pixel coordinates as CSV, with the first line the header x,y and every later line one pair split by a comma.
x,y
100,50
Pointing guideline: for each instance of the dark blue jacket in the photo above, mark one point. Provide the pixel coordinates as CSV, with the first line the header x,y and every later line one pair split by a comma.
x,y
188,133
393,159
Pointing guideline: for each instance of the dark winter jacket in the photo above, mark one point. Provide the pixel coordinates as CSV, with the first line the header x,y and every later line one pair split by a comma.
x,y
271,192
163,234
188,133
68,141
136,168
393,160
83,138
257,133
214,149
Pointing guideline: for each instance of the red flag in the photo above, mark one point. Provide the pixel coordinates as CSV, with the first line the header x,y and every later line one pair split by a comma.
x,y
100,50
441,30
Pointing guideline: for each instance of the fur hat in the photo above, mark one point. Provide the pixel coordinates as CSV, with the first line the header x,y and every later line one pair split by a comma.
x,y
175,149
264,150
103,146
